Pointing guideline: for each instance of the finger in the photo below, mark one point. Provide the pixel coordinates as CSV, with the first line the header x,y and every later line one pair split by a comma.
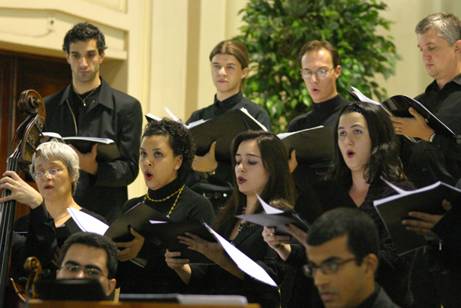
x,y
424,216
417,224
418,230
194,237
213,147
415,114
283,238
94,149
446,205
135,234
123,244
172,254
123,254
12,175
7,198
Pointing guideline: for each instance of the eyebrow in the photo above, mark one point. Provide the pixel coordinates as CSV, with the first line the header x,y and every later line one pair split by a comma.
x,y
83,266
252,155
352,126
327,260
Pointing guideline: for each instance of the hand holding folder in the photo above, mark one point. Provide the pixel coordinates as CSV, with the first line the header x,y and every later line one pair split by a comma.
x,y
394,209
273,217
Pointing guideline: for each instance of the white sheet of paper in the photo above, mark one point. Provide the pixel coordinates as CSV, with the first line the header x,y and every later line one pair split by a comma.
x,y
154,117
87,223
154,222
394,187
197,299
172,115
267,208
243,262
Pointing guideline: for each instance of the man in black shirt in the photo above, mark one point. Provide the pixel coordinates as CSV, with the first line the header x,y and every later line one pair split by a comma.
x,y
90,107
229,67
436,157
320,68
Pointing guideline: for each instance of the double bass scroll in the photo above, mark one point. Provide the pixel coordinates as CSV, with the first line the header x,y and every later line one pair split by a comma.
x,y
26,139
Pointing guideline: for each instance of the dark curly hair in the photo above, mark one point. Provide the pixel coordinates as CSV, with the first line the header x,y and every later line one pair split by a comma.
x,y
384,158
179,139
274,156
84,32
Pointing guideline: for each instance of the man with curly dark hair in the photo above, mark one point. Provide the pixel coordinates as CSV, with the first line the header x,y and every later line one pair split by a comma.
x,y
90,107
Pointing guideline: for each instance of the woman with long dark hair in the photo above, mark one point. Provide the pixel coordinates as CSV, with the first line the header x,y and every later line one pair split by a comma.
x,y
260,163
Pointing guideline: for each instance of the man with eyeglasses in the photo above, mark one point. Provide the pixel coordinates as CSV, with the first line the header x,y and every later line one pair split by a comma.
x,y
89,256
320,68
342,249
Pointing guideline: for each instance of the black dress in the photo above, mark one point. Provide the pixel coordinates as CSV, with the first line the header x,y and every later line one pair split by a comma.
x,y
156,276
212,279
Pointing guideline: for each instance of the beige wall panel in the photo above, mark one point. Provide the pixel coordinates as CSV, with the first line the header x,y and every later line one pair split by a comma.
x,y
410,77
116,5
168,57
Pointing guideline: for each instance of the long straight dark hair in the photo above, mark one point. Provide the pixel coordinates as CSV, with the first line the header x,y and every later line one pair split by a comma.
x,y
275,160
384,158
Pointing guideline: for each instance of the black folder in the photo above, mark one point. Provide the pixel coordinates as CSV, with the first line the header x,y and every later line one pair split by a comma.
x,y
398,106
167,233
313,145
138,218
222,129
276,220
394,209
71,289
107,148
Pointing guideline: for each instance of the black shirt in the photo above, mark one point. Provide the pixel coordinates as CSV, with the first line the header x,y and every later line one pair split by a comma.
x,y
425,162
325,113
156,276
224,172
304,176
236,101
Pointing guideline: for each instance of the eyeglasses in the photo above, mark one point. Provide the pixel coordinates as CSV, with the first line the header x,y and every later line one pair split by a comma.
x,y
321,73
90,271
327,267
51,171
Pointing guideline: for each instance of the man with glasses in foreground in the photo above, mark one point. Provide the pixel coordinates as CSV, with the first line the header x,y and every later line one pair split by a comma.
x,y
89,256
342,249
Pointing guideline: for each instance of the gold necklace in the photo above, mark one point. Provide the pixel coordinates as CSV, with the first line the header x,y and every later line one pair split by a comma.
x,y
178,192
163,199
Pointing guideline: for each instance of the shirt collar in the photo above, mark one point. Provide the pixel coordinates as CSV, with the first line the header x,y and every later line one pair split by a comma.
x,y
229,102
433,86
104,95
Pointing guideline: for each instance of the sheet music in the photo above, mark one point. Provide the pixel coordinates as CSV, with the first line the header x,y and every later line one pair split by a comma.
x,y
267,208
243,262
87,223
